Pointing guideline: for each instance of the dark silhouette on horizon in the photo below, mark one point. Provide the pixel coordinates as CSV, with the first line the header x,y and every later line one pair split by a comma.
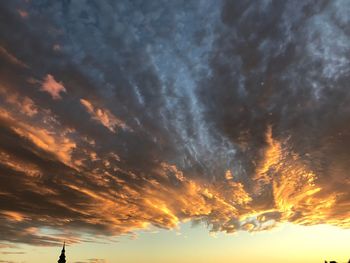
x,y
333,261
62,258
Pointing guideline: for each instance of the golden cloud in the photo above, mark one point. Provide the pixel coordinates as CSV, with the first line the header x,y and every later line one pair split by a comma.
x,y
103,116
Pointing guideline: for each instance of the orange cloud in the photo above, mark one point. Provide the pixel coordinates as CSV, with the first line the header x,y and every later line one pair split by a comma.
x,y
297,195
24,104
51,86
13,216
97,194
54,143
103,116
18,165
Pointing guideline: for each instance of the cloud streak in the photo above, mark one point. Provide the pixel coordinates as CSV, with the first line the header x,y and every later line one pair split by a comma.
x,y
231,115
103,116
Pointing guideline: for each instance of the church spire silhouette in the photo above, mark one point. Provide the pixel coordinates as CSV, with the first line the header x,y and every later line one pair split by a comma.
x,y
62,258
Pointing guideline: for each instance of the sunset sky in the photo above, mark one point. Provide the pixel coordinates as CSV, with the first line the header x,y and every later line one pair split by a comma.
x,y
175,131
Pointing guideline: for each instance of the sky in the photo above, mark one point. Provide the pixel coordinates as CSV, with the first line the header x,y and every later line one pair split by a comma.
x,y
180,131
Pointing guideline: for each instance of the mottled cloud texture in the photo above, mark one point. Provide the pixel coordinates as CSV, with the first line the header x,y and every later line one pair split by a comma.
x,y
119,115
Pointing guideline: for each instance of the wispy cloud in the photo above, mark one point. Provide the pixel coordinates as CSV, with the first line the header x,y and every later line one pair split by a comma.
x,y
11,58
92,260
103,116
12,252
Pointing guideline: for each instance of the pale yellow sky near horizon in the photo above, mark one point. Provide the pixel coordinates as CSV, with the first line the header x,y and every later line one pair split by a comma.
x,y
287,243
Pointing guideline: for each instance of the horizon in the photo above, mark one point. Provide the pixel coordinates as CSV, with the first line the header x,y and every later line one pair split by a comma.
x,y
179,131
186,245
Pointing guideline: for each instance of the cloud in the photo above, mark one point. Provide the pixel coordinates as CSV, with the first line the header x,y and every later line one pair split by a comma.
x,y
238,121
47,140
51,86
104,116
11,58
93,260
24,104
23,13
96,260
12,253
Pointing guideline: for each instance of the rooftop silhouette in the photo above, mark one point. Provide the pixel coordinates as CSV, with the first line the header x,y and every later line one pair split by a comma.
x,y
332,261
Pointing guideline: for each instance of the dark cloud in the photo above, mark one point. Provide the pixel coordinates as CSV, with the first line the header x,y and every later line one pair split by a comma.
x,y
118,115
